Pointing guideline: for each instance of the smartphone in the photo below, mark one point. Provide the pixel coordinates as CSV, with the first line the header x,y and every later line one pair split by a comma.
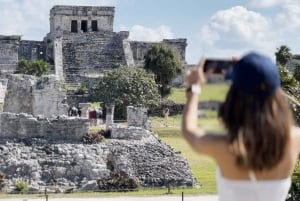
x,y
217,66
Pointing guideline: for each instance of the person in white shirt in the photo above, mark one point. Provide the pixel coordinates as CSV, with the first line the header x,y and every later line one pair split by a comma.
x,y
256,155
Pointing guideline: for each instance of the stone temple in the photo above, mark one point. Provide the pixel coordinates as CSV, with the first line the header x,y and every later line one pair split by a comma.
x,y
81,44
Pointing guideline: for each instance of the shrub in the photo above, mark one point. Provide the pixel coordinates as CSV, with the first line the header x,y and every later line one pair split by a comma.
x,y
95,138
2,184
36,67
22,187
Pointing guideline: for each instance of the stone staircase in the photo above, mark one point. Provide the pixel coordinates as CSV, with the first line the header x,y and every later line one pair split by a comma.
x,y
92,53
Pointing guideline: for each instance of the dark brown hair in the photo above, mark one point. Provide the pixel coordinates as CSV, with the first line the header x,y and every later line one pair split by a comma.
x,y
258,127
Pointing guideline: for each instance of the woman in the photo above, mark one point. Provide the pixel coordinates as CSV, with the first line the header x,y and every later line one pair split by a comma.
x,y
257,154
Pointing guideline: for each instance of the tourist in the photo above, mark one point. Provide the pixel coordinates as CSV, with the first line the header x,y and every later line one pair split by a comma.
x,y
166,113
79,111
95,116
256,155
90,116
100,115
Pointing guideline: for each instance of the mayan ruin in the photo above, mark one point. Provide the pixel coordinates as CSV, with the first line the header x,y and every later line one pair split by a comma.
x,y
41,145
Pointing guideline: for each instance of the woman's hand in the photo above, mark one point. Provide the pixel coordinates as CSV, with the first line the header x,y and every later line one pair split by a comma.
x,y
196,76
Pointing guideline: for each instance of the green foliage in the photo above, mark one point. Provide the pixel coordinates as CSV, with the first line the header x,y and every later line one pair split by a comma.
x,y
82,89
2,184
297,72
22,187
126,86
283,55
165,64
294,193
36,67
287,79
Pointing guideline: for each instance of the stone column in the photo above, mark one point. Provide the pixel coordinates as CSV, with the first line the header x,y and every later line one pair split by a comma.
x,y
84,109
137,117
109,115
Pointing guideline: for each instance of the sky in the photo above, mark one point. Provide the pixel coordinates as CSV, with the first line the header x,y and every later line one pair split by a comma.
x,y
213,28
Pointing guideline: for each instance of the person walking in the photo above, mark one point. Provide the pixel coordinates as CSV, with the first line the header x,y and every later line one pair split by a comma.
x,y
257,153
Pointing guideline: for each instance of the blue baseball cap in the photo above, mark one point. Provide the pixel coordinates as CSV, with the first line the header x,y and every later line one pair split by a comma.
x,y
255,74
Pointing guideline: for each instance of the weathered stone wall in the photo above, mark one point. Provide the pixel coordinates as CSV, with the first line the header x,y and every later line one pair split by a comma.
x,y
61,17
179,45
19,98
9,46
137,117
36,96
140,48
129,133
91,53
32,50
62,128
293,62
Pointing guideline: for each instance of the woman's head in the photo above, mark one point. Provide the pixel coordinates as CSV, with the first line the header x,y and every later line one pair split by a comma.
x,y
256,113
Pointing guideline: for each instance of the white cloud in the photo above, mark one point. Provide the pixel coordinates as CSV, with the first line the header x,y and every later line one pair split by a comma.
x,y
266,3
238,30
141,33
289,17
30,18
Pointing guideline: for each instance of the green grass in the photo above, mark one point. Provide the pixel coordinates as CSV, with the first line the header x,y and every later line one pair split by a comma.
x,y
202,166
209,92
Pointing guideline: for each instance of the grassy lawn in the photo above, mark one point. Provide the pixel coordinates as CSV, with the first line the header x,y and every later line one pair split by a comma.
x,y
209,92
202,166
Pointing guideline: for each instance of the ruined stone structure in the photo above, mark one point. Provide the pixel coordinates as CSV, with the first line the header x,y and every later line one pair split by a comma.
x,y
41,145
81,44
293,62
37,96
58,129
9,47
30,151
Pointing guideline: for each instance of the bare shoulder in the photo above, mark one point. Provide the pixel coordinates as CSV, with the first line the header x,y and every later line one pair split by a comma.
x,y
296,130
296,133
212,144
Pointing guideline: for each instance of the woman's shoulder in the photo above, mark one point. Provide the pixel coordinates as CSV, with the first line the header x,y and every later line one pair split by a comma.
x,y
295,136
295,132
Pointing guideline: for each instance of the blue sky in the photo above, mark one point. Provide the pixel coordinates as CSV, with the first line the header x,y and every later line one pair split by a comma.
x,y
215,28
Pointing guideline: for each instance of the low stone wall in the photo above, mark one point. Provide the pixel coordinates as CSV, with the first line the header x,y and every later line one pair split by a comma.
x,y
61,128
129,133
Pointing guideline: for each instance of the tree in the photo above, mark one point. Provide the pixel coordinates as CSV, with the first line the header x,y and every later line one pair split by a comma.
x,y
166,64
33,67
127,86
287,79
297,72
283,55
